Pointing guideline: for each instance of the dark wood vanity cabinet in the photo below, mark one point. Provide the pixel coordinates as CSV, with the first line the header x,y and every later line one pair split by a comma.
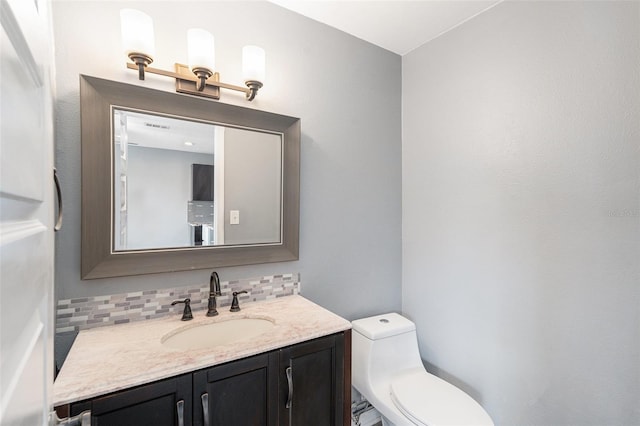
x,y
163,403
312,382
305,384
242,392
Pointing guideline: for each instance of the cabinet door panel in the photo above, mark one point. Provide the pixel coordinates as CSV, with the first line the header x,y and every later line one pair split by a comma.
x,y
316,373
153,405
240,393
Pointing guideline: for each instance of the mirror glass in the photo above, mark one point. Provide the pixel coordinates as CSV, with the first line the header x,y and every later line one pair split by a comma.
x,y
179,182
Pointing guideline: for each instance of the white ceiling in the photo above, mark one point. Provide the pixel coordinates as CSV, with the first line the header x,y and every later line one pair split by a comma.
x,y
396,25
161,132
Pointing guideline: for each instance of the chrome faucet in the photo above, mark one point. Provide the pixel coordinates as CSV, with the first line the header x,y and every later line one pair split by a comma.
x,y
214,290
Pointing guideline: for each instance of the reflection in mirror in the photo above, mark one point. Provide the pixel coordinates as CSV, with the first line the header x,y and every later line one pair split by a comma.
x,y
178,182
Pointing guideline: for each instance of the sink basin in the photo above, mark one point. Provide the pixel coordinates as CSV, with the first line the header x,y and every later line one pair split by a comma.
x,y
216,334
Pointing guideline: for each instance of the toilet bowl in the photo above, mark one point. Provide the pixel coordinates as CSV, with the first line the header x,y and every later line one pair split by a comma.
x,y
388,371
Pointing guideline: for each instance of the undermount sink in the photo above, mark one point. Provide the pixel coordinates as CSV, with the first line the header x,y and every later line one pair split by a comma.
x,y
219,333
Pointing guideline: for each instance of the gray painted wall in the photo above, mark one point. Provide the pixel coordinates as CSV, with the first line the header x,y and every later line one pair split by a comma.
x,y
521,210
350,235
159,188
253,186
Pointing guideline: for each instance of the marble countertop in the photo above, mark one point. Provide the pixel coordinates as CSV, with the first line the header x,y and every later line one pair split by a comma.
x,y
112,358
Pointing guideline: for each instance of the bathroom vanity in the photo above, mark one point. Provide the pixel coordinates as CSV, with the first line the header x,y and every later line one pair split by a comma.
x,y
296,371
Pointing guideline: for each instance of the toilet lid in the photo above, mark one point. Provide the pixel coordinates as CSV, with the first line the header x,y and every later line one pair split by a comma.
x,y
428,400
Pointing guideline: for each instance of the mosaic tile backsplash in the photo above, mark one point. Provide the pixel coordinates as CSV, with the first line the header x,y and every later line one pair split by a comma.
x,y
89,312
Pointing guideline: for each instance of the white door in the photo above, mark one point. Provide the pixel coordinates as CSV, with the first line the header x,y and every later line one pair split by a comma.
x,y
26,213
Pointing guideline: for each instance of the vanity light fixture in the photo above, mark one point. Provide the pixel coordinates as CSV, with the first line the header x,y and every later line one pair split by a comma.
x,y
197,78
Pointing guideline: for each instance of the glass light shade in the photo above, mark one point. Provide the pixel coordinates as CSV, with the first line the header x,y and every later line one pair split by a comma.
x,y
137,32
253,63
201,49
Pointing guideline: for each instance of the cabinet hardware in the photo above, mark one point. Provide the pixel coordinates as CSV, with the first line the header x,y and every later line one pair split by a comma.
x,y
205,408
290,383
180,406
82,419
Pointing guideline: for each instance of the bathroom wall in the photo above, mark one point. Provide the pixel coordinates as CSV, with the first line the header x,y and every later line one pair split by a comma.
x,y
159,218
350,220
521,210
249,159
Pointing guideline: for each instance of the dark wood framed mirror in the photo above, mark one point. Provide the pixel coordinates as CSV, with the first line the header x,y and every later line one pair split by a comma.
x,y
142,208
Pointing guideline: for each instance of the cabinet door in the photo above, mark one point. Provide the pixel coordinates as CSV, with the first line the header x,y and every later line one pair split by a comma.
x,y
239,393
164,403
312,382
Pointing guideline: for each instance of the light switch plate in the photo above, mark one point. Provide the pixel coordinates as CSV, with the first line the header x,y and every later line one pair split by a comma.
x,y
234,217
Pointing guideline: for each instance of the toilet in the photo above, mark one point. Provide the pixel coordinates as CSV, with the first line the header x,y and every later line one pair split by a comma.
x,y
388,371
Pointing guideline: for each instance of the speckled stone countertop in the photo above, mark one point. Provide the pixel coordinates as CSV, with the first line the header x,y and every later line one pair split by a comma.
x,y
112,358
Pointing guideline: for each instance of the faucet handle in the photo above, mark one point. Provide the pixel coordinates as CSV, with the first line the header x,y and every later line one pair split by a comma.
x,y
235,305
186,314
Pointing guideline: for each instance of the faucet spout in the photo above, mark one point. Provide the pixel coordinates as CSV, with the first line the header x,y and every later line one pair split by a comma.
x,y
214,290
214,283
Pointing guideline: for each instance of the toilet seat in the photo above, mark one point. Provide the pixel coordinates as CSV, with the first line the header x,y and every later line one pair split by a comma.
x,y
428,400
